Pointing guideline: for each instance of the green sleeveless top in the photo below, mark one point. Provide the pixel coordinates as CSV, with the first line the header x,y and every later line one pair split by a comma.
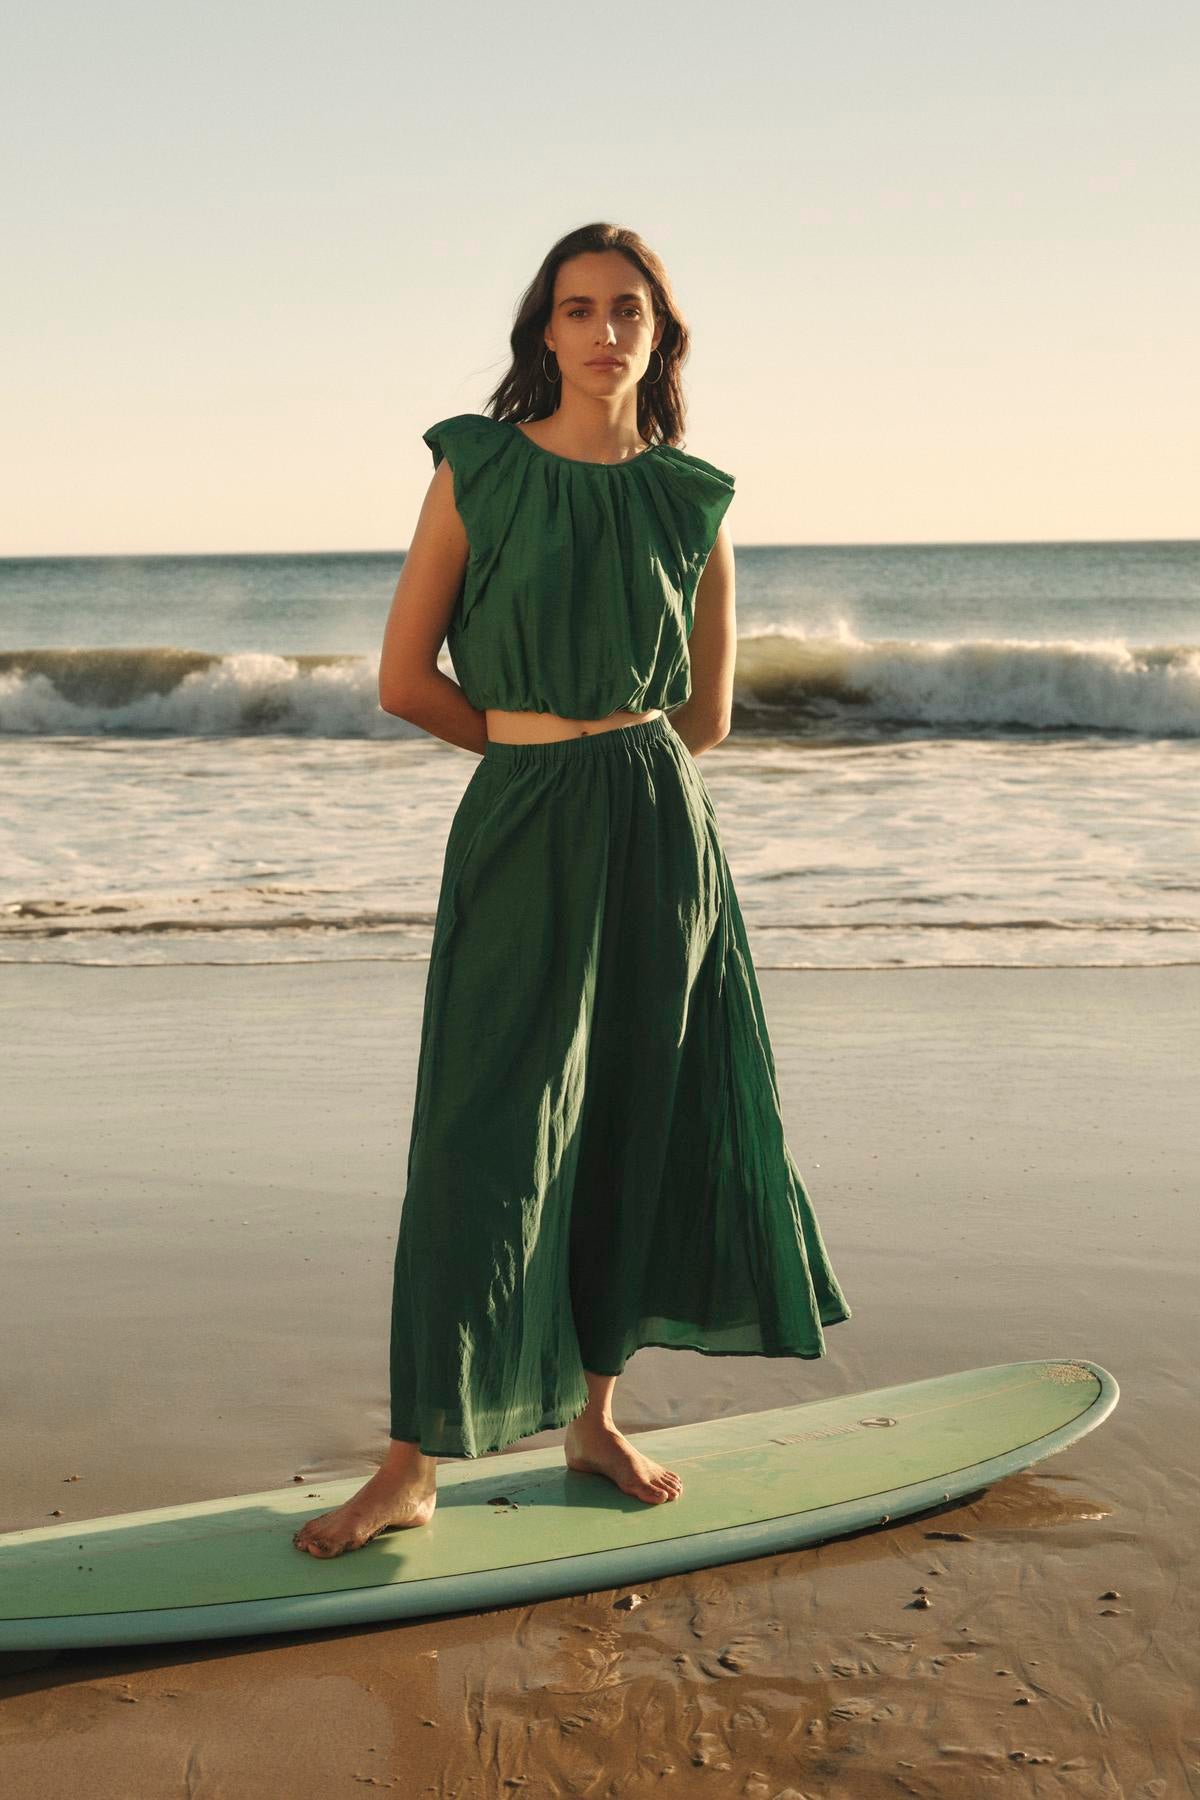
x,y
581,577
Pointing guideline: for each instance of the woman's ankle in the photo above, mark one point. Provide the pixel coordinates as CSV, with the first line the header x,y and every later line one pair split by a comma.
x,y
404,1454
595,1418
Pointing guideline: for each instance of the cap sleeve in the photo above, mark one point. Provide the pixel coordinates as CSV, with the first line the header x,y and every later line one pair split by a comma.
x,y
704,493
712,502
471,443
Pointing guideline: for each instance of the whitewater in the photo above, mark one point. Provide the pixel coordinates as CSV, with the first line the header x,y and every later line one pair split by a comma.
x,y
940,755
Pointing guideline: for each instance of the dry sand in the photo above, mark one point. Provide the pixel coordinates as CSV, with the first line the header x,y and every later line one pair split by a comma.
x,y
201,1174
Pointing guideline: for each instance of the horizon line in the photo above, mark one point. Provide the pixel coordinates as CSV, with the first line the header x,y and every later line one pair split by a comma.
x,y
763,544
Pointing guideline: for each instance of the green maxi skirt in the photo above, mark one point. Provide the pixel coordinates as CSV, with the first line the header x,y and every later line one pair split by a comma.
x,y
597,1159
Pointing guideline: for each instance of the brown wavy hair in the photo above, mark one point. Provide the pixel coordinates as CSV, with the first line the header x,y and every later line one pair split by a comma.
x,y
524,392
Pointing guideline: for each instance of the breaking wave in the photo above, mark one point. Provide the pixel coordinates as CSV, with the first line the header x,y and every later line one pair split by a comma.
x,y
787,682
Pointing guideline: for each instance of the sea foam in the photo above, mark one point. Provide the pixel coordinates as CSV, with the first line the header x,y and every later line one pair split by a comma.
x,y
786,681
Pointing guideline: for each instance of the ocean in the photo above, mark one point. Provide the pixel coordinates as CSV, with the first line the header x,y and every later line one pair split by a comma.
x,y
940,755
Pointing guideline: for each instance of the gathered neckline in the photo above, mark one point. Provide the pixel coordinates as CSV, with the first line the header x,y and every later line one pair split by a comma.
x,y
579,462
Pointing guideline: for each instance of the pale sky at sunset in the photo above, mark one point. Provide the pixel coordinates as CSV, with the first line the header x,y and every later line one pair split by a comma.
x,y
941,261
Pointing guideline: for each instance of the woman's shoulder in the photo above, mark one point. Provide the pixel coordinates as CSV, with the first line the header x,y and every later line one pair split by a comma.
x,y
463,428
686,461
700,493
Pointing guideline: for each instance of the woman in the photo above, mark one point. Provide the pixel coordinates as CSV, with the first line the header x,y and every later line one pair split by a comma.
x,y
597,1159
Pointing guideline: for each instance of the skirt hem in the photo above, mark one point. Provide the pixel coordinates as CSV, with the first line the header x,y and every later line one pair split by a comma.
x,y
553,1421
561,1416
703,1349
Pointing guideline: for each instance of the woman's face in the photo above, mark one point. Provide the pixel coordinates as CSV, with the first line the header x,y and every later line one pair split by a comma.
x,y
601,325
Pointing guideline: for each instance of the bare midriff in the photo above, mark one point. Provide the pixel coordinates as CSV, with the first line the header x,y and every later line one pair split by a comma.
x,y
550,728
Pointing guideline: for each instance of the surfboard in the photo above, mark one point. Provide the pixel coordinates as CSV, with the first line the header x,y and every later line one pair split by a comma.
x,y
522,1526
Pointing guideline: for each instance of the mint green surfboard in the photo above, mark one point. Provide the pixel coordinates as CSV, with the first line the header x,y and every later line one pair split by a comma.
x,y
522,1527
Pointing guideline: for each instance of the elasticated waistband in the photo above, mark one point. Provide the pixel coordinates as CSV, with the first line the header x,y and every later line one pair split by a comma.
x,y
617,740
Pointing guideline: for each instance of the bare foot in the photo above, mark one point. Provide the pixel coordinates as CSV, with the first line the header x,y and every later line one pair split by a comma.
x,y
599,1449
401,1493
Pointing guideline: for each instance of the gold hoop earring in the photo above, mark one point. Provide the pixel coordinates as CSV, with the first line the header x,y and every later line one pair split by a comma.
x,y
651,379
557,375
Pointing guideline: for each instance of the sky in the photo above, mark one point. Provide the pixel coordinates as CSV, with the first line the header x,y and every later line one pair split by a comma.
x,y
941,262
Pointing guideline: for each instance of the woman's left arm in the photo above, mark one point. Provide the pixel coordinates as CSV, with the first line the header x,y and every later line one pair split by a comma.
x,y
704,719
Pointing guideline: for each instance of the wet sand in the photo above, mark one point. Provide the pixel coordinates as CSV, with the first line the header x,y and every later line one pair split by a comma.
x,y
202,1169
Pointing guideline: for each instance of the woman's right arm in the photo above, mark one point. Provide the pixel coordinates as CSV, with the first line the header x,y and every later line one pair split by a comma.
x,y
410,683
